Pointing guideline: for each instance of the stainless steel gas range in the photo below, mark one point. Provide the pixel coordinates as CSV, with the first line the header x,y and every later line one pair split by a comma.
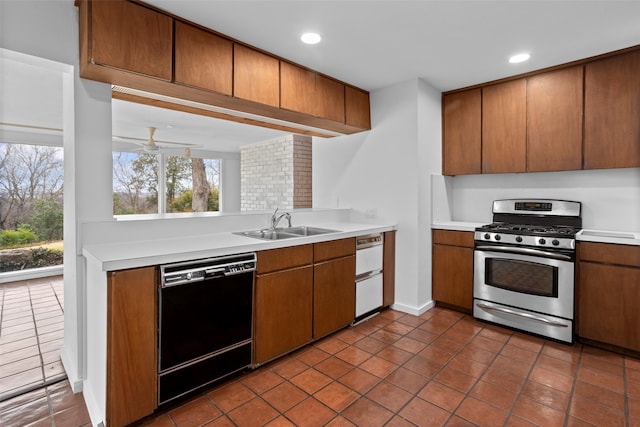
x,y
524,266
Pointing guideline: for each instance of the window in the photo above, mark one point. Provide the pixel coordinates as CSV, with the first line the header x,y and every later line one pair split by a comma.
x,y
31,215
189,184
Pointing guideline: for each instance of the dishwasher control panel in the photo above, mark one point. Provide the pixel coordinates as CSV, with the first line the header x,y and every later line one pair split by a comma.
x,y
210,268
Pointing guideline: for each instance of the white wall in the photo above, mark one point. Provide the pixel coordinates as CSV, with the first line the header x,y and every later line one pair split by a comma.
x,y
230,184
384,173
49,29
610,198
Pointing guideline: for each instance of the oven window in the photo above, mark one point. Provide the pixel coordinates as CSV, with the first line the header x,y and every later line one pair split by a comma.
x,y
522,276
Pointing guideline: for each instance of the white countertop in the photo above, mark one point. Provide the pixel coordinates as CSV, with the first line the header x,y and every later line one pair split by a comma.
x,y
584,235
605,236
141,253
456,225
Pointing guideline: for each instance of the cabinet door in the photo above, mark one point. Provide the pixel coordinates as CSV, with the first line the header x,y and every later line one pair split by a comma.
x,y
329,102
256,76
283,312
504,144
131,37
389,268
357,110
462,132
202,59
334,295
453,276
554,120
297,88
612,111
608,298
131,345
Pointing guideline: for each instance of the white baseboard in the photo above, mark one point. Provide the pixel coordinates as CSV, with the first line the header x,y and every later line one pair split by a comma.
x,y
416,311
71,370
95,412
32,273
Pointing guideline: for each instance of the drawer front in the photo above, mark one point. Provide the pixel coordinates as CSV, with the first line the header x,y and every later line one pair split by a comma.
x,y
368,294
369,259
284,258
453,238
333,249
609,253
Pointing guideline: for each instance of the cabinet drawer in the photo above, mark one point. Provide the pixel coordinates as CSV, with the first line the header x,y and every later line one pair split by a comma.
x,y
454,238
609,253
334,249
284,258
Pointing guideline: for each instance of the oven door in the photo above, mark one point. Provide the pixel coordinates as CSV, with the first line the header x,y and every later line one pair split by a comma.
x,y
532,280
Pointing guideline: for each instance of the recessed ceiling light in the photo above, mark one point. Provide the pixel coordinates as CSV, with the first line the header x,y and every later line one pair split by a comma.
x,y
310,38
521,57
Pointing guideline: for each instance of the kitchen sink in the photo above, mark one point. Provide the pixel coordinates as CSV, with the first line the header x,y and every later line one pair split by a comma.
x,y
285,233
309,231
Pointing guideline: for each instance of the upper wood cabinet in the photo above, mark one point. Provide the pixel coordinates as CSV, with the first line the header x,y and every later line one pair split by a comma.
x,y
297,88
357,112
612,112
329,100
462,130
554,120
131,37
256,76
133,45
504,119
203,59
572,117
308,92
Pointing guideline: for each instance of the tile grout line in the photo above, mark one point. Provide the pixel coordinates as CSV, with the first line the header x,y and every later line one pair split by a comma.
x,y
35,325
627,411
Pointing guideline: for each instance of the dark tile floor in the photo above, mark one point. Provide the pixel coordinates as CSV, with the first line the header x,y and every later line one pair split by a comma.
x,y
441,368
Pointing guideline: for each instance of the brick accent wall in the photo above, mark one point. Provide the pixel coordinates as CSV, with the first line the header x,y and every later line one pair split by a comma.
x,y
276,173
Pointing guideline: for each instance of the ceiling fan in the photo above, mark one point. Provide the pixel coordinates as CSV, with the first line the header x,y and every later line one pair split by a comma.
x,y
151,145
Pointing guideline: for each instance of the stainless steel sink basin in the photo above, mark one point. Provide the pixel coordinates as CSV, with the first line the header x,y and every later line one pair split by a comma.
x,y
309,231
285,233
268,234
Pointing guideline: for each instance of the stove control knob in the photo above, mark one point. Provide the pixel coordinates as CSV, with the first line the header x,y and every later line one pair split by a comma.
x,y
555,242
519,239
497,237
542,241
487,236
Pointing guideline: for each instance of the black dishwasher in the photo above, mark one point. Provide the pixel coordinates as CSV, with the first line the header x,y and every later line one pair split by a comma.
x,y
205,322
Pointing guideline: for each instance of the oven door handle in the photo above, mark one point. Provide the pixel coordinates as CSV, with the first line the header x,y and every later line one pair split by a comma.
x,y
524,251
489,309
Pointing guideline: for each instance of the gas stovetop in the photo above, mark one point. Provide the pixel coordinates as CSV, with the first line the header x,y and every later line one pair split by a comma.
x,y
552,224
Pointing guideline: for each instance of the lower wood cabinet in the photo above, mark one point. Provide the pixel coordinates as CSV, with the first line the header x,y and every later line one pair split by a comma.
x,y
131,345
608,291
334,292
283,301
389,268
283,312
452,269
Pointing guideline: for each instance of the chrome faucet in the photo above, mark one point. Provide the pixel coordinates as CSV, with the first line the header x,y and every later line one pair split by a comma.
x,y
276,219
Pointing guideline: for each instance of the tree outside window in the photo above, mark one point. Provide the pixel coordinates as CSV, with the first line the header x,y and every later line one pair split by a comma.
x,y
31,211
190,184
